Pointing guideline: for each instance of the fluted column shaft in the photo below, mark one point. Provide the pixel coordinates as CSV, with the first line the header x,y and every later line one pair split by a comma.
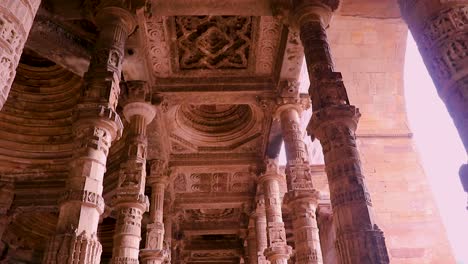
x,y
96,125
16,19
301,196
278,252
334,122
155,252
260,229
440,30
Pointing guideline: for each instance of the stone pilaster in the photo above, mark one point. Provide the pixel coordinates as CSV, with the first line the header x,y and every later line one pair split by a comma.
x,y
277,252
155,252
301,196
130,201
334,122
260,229
440,30
96,125
16,19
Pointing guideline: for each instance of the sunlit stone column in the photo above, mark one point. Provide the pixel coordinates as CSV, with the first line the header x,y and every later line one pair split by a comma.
x,y
301,197
129,200
278,252
260,228
334,122
96,125
16,19
440,29
154,252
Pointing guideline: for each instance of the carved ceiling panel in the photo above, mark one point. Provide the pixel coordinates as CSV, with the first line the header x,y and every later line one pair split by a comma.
x,y
215,128
214,46
214,182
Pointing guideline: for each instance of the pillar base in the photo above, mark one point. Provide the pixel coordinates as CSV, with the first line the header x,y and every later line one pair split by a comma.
x,y
74,249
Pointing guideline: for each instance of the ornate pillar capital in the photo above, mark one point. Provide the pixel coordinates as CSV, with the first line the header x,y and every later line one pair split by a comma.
x,y
314,11
159,172
115,15
291,99
271,172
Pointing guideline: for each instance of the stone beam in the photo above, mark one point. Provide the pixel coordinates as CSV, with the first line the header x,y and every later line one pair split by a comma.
x,y
53,42
211,97
211,202
205,7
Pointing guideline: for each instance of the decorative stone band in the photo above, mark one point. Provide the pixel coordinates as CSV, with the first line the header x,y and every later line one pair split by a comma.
x,y
106,115
131,198
86,197
124,260
72,248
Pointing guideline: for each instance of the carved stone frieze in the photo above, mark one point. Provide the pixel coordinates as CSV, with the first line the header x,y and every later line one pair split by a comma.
x,y
270,32
158,44
208,182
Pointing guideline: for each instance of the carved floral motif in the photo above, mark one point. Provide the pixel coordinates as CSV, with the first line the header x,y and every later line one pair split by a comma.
x,y
213,42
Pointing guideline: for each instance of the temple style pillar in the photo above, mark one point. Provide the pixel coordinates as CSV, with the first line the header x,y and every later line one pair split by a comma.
x,y
129,200
260,229
301,197
440,30
277,252
16,19
334,122
155,252
96,125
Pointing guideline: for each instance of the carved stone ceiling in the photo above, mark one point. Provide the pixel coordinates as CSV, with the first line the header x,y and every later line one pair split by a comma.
x,y
213,48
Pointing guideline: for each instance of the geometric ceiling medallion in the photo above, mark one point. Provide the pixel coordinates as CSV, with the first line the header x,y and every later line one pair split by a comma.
x,y
213,42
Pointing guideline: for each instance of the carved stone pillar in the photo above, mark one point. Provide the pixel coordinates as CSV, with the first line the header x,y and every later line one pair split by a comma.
x,y
440,30
155,252
301,197
334,122
96,125
16,19
130,201
278,252
260,229
327,233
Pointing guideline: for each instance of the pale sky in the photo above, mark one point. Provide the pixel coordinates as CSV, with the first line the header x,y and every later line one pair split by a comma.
x,y
440,149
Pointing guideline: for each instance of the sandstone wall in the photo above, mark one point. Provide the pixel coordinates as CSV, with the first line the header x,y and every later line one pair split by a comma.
x,y
370,54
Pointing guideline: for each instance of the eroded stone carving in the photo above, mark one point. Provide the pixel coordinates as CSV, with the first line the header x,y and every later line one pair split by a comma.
x,y
16,18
